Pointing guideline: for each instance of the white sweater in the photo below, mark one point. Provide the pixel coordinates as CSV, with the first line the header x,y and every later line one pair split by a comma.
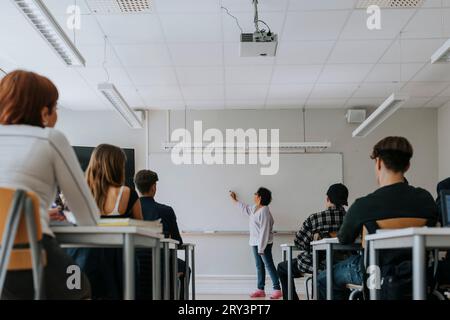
x,y
39,160
260,225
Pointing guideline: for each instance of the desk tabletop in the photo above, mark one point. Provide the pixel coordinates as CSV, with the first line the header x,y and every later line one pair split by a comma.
x,y
168,240
288,245
107,230
408,232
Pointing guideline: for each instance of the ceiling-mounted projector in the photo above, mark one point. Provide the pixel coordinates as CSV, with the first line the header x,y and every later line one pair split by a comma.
x,y
259,43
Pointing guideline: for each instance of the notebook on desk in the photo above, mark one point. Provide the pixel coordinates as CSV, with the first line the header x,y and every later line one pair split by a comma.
x,y
126,222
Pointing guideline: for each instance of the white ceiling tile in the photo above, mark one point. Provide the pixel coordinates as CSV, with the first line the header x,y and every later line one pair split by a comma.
x,y
424,89
285,104
152,76
82,97
200,75
438,102
89,33
97,75
232,33
429,23
183,6
203,92
191,27
325,103
446,92
298,5
391,24
345,73
436,3
363,51
364,102
246,92
61,7
314,25
248,75
376,90
131,28
197,54
414,103
434,72
412,50
245,104
393,72
205,105
131,96
296,74
246,6
95,56
233,58
152,93
325,91
166,105
303,52
143,55
289,92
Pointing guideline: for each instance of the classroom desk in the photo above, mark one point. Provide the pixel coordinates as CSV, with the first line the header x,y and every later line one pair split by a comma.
x,y
328,245
189,258
170,248
286,249
127,238
417,239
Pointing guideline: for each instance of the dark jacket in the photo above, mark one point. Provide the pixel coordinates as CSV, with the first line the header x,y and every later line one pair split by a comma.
x,y
152,210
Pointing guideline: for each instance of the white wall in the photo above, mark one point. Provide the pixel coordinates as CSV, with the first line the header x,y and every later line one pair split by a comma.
x,y
222,259
91,128
444,141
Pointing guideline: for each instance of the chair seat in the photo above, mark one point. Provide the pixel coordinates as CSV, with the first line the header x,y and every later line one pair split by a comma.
x,y
352,286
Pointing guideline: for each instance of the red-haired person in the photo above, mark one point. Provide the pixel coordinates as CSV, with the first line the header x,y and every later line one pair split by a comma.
x,y
37,158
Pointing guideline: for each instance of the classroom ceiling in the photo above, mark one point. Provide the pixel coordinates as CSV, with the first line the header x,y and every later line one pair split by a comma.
x,y
185,53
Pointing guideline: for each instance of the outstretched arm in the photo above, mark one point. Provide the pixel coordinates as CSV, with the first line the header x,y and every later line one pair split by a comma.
x,y
246,209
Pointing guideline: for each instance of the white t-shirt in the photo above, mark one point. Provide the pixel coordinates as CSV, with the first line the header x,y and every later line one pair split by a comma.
x,y
38,160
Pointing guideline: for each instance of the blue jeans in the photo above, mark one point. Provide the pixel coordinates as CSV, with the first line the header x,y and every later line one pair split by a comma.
x,y
263,262
344,272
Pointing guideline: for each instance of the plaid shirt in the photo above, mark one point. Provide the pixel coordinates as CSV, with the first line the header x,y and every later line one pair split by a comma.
x,y
321,223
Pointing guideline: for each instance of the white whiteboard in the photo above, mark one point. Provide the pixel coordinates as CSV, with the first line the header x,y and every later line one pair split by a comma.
x,y
199,194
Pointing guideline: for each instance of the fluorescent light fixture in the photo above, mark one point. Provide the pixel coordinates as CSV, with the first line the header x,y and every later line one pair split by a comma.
x,y
287,146
384,111
42,20
442,55
132,118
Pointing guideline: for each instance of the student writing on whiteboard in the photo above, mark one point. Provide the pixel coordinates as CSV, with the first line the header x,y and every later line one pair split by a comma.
x,y
261,239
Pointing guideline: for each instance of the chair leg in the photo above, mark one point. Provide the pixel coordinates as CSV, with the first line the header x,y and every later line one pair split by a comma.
x,y
353,294
9,235
308,279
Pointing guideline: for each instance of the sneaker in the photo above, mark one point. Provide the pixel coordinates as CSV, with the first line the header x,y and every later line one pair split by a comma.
x,y
258,294
276,294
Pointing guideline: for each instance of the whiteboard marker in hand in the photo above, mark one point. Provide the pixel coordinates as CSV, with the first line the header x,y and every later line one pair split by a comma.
x,y
233,196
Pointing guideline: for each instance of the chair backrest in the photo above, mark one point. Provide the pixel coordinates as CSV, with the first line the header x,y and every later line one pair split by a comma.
x,y
396,223
21,256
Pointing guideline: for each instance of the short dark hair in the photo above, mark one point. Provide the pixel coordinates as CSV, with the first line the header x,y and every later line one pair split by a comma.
x,y
395,152
144,180
266,196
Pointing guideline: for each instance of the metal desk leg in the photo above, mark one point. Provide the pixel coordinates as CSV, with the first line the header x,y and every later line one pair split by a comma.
x,y
193,272
186,273
315,258
329,254
166,271
128,262
373,263
283,254
156,276
175,273
419,277
289,275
